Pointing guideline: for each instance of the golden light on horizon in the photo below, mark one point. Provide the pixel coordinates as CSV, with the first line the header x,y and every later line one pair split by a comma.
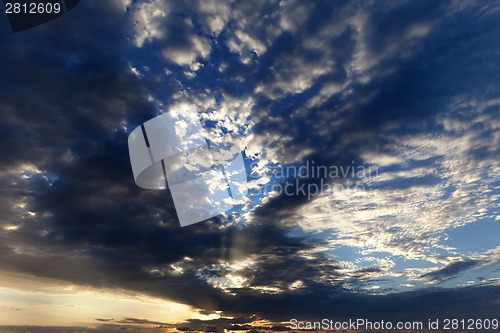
x,y
25,300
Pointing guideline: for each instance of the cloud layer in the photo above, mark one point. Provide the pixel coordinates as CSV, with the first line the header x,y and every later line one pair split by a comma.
x,y
408,88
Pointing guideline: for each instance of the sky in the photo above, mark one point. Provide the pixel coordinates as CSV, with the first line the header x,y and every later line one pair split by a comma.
x,y
370,133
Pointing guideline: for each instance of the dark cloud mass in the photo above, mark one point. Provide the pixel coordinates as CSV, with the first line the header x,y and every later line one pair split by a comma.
x,y
450,270
332,82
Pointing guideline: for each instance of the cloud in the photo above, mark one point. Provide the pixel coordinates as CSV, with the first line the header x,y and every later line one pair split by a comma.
x,y
450,270
402,87
187,54
158,22
149,19
139,321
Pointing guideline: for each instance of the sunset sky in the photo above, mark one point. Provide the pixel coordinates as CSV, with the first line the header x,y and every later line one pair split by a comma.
x,y
406,93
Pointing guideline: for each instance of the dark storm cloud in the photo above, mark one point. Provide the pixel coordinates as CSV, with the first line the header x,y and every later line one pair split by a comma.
x,y
325,302
450,270
67,90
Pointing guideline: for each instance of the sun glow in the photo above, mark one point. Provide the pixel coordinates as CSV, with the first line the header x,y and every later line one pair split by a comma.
x,y
26,301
